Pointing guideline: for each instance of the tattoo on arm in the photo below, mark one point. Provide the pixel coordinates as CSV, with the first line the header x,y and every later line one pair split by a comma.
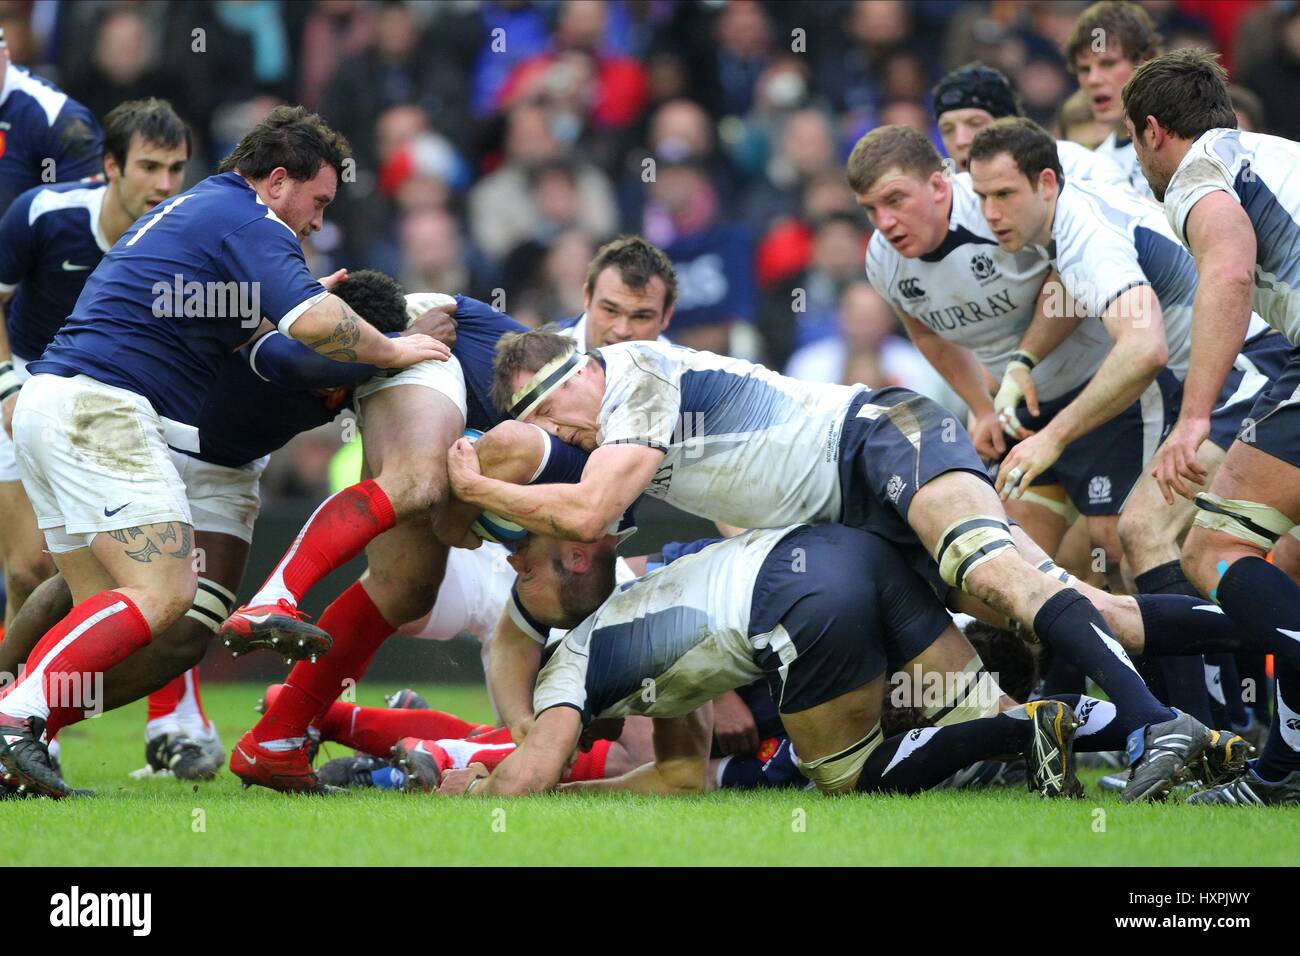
x,y
340,344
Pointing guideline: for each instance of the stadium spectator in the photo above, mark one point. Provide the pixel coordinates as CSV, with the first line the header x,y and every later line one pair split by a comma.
x,y
611,90
869,349
713,257
432,252
1276,78
398,69
1075,122
745,45
503,206
807,147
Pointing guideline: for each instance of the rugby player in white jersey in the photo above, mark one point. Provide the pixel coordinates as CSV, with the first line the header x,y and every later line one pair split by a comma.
x,y
735,442
967,100
822,613
967,305
1233,199
1117,260
1107,43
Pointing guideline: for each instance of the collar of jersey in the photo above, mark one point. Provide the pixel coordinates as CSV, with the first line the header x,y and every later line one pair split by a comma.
x,y
270,213
957,236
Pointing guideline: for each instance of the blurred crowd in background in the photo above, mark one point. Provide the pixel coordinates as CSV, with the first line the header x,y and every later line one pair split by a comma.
x,y
498,144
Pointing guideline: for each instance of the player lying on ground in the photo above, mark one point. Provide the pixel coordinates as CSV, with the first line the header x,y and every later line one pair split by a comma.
x,y
820,612
408,745
763,447
1231,197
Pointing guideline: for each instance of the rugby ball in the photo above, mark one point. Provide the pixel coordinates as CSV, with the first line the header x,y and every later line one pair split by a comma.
x,y
491,527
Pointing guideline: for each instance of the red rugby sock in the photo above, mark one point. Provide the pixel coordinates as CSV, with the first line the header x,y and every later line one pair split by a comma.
x,y
358,630
335,534
64,674
374,730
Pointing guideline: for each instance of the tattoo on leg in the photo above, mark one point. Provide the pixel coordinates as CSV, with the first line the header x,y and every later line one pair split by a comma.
x,y
187,540
175,534
145,552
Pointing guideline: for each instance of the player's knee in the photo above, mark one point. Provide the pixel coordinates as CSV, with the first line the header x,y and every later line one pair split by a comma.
x,y
1104,533
1226,530
401,598
1143,530
163,604
24,574
412,489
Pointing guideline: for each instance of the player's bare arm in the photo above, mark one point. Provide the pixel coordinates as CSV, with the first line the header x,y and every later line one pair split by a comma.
x,y
1134,321
963,371
615,475
1222,240
510,452
538,764
514,659
332,329
1055,319
681,763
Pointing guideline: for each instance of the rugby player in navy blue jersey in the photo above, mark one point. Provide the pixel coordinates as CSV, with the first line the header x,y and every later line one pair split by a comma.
x,y
51,239
126,379
408,421
45,135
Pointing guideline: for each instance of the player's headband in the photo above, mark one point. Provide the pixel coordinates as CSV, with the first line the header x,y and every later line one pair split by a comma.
x,y
975,87
545,381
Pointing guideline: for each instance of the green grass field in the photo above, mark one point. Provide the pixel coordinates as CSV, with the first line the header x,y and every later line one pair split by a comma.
x,y
166,822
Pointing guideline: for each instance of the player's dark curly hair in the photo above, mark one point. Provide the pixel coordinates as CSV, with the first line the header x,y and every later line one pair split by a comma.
x,y
1006,655
376,297
291,137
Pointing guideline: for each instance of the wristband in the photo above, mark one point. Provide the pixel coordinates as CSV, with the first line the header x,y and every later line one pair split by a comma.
x,y
1021,357
10,383
469,787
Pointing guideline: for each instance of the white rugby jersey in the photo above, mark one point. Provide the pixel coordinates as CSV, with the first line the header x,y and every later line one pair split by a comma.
x,y
684,626
1106,243
974,294
1080,163
1263,174
1122,154
742,444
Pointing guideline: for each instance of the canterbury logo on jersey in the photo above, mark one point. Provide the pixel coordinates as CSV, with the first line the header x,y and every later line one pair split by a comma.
x,y
910,289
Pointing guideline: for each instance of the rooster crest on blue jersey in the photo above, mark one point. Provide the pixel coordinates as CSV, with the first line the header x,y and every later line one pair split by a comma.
x,y
491,527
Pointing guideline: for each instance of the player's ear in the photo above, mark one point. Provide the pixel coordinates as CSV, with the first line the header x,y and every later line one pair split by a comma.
x,y
1158,132
277,178
576,557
